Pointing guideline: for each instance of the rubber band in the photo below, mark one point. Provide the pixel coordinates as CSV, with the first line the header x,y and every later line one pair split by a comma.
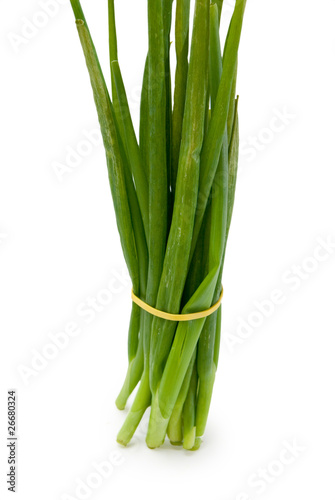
x,y
176,317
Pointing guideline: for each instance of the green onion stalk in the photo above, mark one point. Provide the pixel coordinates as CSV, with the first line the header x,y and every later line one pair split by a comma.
x,y
173,188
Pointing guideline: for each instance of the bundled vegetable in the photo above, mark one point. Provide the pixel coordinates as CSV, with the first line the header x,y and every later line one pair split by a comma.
x,y
173,193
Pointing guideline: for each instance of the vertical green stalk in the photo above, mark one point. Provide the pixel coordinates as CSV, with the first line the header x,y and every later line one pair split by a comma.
x,y
233,164
178,247
189,412
158,189
182,46
218,3
209,342
129,140
135,414
139,210
206,369
125,124
195,276
175,427
158,198
214,139
135,334
187,334
113,154
77,10
167,18
232,108
197,272
121,182
206,345
179,242
112,32
144,120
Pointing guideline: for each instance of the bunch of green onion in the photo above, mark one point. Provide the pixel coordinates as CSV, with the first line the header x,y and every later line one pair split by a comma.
x,y
173,191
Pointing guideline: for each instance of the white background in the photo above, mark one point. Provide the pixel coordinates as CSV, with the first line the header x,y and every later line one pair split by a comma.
x,y
59,247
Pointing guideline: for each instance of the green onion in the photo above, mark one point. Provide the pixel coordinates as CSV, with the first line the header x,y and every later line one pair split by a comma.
x,y
182,48
173,192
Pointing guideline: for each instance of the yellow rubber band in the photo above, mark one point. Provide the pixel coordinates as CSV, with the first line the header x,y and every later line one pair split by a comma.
x,y
176,317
